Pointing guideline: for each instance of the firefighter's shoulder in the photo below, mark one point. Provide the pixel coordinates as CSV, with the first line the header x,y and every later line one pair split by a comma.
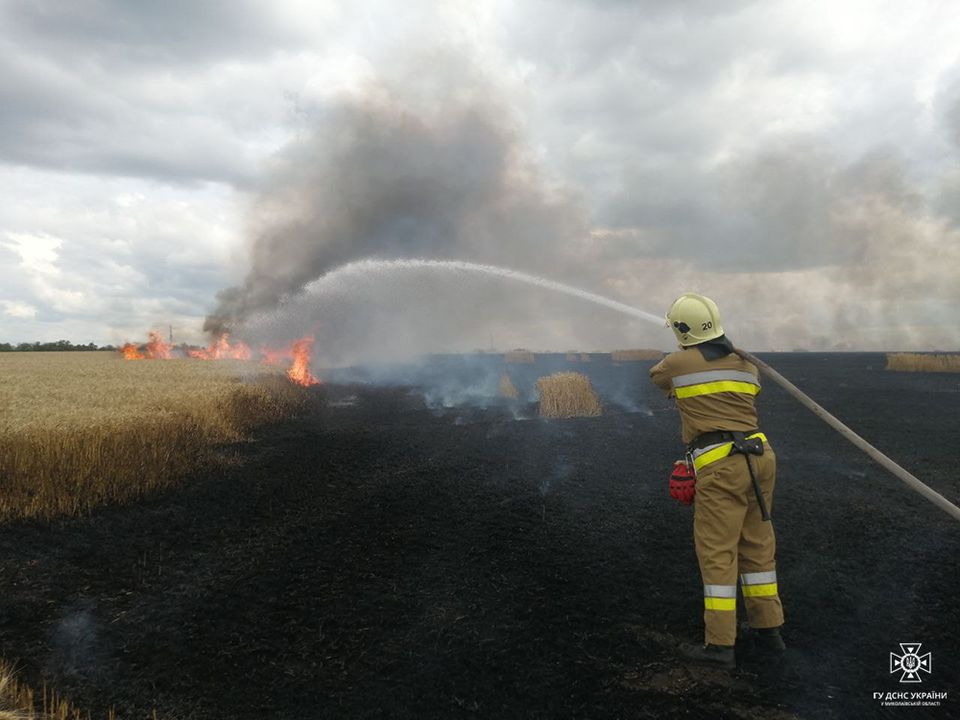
x,y
664,366
676,363
683,361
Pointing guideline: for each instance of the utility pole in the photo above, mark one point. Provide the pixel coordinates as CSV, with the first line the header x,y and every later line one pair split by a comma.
x,y
171,334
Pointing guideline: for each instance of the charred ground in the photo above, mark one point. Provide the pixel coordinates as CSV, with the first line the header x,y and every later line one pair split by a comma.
x,y
381,558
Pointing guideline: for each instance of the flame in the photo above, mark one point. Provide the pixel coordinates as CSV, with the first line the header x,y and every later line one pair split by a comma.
x,y
298,352
299,372
221,349
131,352
157,349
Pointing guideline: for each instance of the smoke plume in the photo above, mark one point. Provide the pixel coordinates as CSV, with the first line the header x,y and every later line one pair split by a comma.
x,y
803,246
443,174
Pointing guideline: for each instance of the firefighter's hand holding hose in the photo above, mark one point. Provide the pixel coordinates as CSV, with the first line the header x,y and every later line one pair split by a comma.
x,y
683,482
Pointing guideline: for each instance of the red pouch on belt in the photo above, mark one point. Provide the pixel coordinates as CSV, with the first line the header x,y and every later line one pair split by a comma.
x,y
682,482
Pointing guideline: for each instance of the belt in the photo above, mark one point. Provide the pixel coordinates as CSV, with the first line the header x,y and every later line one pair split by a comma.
x,y
712,446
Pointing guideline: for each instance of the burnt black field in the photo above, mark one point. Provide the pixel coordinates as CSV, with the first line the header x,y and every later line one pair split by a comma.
x,y
423,549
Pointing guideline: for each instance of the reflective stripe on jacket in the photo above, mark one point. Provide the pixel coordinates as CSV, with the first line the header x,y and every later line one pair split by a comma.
x,y
711,395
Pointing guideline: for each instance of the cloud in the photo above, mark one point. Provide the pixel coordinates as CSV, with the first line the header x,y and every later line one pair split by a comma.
x,y
37,253
178,92
88,120
17,309
182,92
111,256
173,33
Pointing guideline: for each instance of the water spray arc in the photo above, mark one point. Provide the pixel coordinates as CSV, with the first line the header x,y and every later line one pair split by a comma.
x,y
370,266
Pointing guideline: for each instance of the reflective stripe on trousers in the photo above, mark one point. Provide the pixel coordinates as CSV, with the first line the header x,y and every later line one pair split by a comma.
x,y
759,584
720,597
724,597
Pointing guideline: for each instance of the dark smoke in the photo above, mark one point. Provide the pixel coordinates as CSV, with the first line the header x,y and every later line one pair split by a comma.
x,y
802,245
380,175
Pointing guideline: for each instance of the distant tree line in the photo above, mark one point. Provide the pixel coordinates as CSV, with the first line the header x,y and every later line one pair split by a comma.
x,y
58,346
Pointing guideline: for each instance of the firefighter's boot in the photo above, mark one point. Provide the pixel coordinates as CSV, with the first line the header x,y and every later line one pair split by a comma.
x,y
765,640
719,656
770,640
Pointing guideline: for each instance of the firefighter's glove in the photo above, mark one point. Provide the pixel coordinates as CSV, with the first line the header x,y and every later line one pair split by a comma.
x,y
682,482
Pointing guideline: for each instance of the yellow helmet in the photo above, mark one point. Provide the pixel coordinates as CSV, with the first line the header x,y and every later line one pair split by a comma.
x,y
694,319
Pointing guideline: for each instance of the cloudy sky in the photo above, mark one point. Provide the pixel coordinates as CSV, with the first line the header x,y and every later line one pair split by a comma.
x,y
798,161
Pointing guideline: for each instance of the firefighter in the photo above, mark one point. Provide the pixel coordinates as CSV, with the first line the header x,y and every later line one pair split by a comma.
x,y
730,469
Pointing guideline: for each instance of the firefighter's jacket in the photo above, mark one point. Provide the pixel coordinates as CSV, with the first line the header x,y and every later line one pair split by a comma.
x,y
711,395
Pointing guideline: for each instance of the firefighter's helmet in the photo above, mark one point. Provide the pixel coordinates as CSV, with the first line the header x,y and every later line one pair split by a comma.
x,y
694,319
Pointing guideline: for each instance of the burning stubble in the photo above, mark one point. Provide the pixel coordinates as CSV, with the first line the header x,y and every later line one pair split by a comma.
x,y
297,354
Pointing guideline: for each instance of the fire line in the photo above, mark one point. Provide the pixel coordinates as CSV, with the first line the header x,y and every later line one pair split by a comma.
x,y
297,353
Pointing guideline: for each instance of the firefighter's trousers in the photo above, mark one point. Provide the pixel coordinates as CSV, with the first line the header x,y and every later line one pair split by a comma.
x,y
731,538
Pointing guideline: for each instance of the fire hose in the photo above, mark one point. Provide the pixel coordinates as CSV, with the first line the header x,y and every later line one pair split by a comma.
x,y
908,478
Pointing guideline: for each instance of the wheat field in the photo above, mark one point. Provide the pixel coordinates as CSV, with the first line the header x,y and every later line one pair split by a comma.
x,y
78,430
922,362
